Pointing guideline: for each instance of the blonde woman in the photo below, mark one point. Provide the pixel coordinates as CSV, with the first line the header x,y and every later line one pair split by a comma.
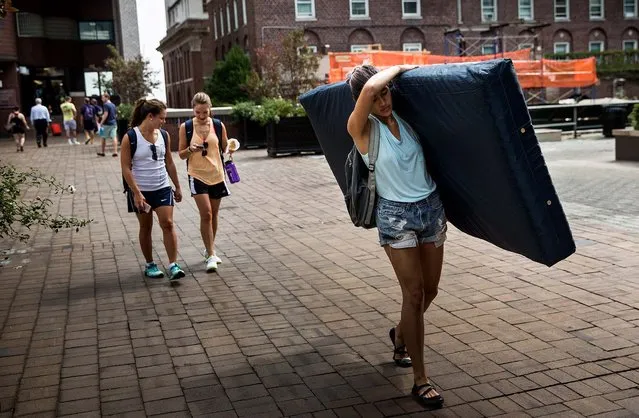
x,y
202,140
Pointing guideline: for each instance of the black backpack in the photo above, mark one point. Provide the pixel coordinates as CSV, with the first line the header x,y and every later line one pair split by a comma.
x,y
133,140
361,192
217,125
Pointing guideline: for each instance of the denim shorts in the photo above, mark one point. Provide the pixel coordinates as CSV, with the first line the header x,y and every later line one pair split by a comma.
x,y
406,225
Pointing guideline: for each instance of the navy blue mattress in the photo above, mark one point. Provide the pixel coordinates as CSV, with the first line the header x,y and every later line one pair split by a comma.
x,y
480,148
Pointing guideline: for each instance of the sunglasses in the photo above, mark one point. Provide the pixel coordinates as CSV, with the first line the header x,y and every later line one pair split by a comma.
x,y
154,152
205,145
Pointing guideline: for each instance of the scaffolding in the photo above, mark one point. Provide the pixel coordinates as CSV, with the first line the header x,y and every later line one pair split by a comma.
x,y
537,75
457,44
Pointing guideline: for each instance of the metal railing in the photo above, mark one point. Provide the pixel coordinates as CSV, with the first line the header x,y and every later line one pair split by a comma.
x,y
587,114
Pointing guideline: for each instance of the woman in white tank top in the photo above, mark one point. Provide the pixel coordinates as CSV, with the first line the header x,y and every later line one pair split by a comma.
x,y
147,164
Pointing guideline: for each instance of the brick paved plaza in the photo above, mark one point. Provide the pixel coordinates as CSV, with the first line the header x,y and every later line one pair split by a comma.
x,y
296,322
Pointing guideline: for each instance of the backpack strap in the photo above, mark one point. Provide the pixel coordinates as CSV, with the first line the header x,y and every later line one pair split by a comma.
x,y
165,136
133,141
188,125
373,145
217,124
373,149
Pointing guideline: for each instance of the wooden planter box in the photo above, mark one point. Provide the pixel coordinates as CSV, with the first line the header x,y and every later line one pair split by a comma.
x,y
626,144
291,136
253,134
122,128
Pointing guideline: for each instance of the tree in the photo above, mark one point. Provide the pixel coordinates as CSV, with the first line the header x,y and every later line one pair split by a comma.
x,y
227,84
16,211
266,84
286,69
131,79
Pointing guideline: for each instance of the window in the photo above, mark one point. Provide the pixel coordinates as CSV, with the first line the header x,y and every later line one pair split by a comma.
x,y
561,48
562,9
629,45
228,18
359,9
96,31
244,12
411,9
412,47
214,25
60,28
488,11
630,9
222,33
305,9
596,46
95,82
30,25
526,9
488,49
596,9
358,48
236,17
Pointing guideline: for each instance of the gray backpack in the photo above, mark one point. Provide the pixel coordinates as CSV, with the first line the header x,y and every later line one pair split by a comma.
x,y
361,193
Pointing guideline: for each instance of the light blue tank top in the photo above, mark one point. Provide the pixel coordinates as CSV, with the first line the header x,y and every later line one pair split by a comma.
x,y
400,170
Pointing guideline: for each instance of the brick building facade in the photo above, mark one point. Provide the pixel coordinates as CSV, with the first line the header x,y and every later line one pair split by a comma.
x,y
187,50
488,26
573,25
51,49
570,25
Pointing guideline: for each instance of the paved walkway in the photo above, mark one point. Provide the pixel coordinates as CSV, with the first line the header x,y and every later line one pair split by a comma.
x,y
296,321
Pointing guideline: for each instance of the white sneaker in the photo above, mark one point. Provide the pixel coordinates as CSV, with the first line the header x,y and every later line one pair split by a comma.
x,y
217,259
211,264
75,142
70,141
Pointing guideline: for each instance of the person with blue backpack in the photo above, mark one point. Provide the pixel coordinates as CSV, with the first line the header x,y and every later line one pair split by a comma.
x,y
202,141
88,120
147,165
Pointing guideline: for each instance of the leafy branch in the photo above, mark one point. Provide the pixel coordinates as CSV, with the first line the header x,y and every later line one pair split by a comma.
x,y
15,211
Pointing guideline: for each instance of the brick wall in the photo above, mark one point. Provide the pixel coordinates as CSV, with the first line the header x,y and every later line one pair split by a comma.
x,y
8,47
579,30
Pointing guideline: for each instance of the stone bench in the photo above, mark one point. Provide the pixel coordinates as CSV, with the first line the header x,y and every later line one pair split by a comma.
x,y
626,144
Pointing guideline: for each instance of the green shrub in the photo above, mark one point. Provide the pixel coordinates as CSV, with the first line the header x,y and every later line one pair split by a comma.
x,y
125,111
634,116
243,110
272,110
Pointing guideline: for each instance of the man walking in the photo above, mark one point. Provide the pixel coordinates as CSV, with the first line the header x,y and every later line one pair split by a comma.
x,y
40,119
70,126
109,125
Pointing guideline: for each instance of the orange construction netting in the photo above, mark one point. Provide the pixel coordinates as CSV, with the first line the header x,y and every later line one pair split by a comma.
x,y
532,74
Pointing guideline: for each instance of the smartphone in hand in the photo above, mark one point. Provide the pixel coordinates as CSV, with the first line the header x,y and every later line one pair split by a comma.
x,y
146,208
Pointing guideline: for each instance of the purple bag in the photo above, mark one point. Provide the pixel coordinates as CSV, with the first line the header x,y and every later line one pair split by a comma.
x,y
231,171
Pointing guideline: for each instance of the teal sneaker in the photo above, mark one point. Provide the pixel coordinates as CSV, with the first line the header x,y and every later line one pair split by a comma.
x,y
153,271
175,272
